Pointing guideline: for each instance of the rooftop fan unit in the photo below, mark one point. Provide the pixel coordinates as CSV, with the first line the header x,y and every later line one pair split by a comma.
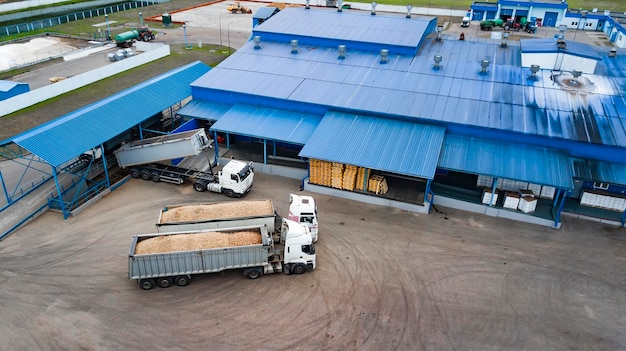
x,y
294,46
534,69
373,13
483,66
342,51
257,42
576,74
408,10
384,56
437,59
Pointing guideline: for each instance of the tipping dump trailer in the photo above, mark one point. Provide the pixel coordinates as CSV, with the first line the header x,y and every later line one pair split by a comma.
x,y
164,259
205,216
144,158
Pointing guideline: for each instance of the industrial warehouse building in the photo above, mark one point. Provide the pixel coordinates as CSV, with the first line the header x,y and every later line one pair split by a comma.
x,y
381,108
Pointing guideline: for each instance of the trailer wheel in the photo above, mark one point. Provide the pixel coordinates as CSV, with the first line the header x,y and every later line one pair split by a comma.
x,y
252,273
229,192
199,186
298,269
181,280
146,284
145,175
134,172
155,177
165,282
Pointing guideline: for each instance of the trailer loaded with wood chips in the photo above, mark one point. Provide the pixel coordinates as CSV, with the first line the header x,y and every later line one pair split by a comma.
x,y
165,259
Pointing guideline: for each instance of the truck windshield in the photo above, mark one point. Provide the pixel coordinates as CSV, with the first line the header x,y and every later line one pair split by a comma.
x,y
244,173
308,249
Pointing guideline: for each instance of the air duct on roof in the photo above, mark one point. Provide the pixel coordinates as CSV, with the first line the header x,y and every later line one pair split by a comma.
x,y
408,10
384,54
294,46
437,60
373,13
342,51
534,69
483,66
257,42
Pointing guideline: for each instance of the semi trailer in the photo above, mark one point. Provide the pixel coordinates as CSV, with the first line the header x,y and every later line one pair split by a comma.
x,y
150,159
205,216
164,259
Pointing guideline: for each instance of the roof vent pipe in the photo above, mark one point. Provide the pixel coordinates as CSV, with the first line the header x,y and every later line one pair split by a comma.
x,y
408,10
576,74
505,37
373,13
294,46
439,29
257,42
437,60
306,5
384,56
342,52
339,5
483,66
534,69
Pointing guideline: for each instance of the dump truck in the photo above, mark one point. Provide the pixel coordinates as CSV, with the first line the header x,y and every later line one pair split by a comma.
x,y
128,38
146,159
237,7
205,216
164,259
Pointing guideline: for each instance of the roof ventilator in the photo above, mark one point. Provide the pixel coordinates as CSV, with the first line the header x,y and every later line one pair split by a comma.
x,y
505,36
560,38
294,46
306,5
576,74
483,66
373,13
438,30
342,51
340,6
384,56
408,10
437,60
257,42
534,69
613,52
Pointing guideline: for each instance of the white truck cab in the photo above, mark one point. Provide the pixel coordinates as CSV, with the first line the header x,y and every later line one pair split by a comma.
x,y
302,209
465,22
236,178
299,251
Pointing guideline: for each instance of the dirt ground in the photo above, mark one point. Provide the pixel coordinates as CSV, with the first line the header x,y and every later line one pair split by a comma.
x,y
386,280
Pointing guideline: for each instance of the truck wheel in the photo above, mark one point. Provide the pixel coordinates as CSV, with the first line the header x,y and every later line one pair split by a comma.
x,y
146,284
181,280
253,273
198,186
134,172
507,27
165,282
298,269
229,192
155,177
145,175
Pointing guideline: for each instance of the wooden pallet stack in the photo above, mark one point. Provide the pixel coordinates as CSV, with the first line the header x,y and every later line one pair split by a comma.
x,y
336,175
377,184
320,172
349,178
361,180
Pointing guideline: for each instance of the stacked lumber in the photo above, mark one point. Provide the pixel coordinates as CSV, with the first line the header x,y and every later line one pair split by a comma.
x,y
336,175
198,241
319,172
377,184
361,180
349,178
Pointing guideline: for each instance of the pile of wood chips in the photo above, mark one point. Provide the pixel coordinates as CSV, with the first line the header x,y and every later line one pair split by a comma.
x,y
198,241
219,210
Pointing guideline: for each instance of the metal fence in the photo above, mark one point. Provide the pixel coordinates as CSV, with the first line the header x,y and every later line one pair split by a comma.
x,y
76,16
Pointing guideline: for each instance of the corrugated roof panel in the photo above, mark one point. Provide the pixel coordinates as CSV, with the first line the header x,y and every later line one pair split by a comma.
x,y
205,110
372,142
94,124
614,173
507,160
549,46
259,122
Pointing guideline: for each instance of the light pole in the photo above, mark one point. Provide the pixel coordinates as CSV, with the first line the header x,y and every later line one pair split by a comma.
x,y
141,19
228,33
106,17
185,35
219,23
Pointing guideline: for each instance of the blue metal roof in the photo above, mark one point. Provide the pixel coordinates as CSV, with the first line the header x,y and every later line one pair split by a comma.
x,y
550,46
268,123
507,160
265,12
67,137
329,28
383,144
206,110
614,173
6,85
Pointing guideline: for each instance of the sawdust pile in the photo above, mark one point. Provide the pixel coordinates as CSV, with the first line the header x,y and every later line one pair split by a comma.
x,y
205,212
199,241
